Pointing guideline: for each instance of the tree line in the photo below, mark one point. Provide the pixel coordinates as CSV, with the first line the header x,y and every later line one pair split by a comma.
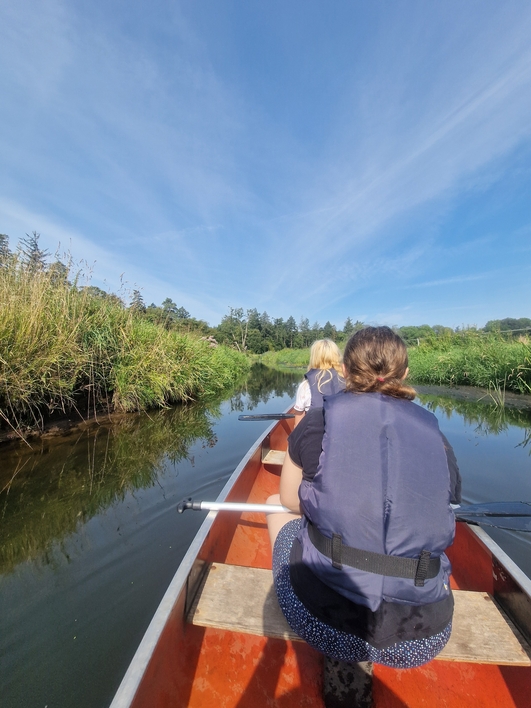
x,y
247,330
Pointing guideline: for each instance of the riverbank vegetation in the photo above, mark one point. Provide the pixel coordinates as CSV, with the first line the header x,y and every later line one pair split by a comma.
x,y
474,358
66,348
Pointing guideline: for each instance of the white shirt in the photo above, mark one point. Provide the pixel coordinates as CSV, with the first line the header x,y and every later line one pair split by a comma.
x,y
304,397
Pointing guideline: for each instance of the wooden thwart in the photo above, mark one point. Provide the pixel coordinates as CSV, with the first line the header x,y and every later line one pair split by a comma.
x,y
242,599
274,457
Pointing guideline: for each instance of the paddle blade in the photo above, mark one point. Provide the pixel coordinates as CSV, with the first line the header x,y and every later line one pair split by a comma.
x,y
512,516
510,523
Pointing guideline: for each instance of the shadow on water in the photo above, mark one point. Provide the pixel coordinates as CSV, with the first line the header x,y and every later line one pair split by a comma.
x,y
51,490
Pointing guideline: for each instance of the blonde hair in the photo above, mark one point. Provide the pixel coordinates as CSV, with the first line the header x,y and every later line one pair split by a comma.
x,y
375,359
325,354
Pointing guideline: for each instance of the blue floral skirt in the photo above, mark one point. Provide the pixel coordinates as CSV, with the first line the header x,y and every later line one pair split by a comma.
x,y
333,642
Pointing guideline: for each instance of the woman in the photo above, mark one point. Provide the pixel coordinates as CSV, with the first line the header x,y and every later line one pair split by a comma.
x,y
323,378
362,576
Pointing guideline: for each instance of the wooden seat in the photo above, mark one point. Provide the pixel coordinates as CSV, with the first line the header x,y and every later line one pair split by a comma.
x,y
242,599
274,457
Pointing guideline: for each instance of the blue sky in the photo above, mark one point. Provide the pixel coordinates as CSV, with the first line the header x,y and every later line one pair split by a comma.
x,y
316,159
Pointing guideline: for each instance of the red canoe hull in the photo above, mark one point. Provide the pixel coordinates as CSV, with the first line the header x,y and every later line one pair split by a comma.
x,y
181,665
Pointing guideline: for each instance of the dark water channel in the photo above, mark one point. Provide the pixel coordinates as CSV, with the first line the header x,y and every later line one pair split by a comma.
x,y
90,537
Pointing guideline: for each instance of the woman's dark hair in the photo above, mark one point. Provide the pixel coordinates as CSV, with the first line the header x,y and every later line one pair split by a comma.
x,y
375,359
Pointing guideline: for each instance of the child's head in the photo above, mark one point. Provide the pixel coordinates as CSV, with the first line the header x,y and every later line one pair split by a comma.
x,y
375,359
325,354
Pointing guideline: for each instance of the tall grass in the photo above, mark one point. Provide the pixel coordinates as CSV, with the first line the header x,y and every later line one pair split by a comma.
x,y
473,359
286,358
62,348
470,358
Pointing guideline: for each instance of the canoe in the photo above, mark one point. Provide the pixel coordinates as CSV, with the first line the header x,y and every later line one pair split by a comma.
x,y
231,650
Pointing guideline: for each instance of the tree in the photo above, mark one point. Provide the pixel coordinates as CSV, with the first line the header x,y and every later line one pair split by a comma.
x,y
291,329
169,306
412,335
280,333
182,314
137,302
254,319
442,331
58,272
316,331
234,328
5,253
348,328
329,331
173,312
33,257
508,324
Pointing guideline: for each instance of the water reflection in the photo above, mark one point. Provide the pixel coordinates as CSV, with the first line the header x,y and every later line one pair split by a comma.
x,y
487,418
262,384
51,490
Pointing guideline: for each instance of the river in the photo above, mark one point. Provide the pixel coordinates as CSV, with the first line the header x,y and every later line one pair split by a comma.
x,y
91,537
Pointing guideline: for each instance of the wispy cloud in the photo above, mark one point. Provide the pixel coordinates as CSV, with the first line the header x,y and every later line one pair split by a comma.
x,y
452,281
155,146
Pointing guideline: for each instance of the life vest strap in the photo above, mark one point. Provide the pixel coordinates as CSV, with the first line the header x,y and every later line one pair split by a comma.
x,y
417,569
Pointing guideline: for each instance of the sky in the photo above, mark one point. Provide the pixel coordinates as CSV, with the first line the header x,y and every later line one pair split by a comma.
x,y
317,159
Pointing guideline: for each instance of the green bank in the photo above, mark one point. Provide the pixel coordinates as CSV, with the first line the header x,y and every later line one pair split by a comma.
x,y
65,348
471,358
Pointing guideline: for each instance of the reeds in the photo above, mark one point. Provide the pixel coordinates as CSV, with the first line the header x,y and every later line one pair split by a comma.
x,y
473,359
63,348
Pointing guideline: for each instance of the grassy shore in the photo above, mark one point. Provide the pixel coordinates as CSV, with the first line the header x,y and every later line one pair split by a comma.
x,y
64,348
286,359
456,359
473,359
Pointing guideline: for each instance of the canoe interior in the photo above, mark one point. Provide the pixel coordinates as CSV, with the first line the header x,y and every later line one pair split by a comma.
x,y
198,667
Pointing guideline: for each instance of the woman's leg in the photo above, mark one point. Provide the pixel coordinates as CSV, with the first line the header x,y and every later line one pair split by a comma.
x,y
276,521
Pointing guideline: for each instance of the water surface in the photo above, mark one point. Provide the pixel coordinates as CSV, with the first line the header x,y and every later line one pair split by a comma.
x,y
91,537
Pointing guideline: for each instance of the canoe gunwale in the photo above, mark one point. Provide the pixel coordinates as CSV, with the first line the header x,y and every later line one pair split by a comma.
x,y
181,582
515,601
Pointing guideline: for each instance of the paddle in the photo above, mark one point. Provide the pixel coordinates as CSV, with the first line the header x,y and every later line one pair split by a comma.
x,y
267,416
512,516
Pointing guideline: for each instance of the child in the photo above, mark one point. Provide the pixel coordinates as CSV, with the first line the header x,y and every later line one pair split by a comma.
x,y
324,377
362,575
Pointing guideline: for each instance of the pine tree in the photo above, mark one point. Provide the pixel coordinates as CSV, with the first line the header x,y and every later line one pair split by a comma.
x,y
33,257
348,328
137,302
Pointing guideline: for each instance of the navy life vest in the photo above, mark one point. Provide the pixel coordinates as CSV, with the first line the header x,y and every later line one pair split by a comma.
x,y
383,484
323,382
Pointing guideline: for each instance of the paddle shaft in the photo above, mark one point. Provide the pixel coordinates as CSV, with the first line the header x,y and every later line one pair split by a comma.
x,y
487,514
230,506
267,416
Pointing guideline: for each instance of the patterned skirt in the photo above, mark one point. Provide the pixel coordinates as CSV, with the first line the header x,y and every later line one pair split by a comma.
x,y
333,642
